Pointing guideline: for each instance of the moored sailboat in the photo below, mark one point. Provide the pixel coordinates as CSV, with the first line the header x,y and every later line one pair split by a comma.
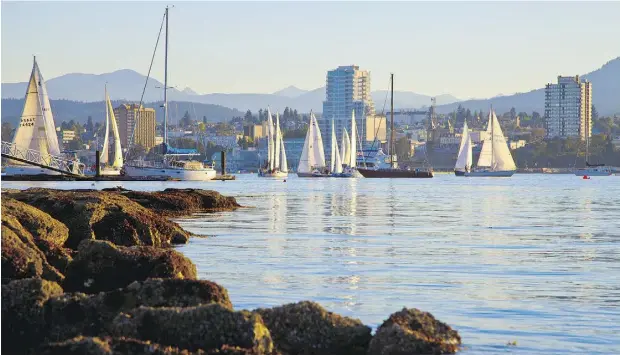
x,y
592,169
393,171
36,129
171,166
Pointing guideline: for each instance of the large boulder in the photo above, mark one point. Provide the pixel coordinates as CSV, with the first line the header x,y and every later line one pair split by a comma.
x,y
21,258
92,214
102,266
23,320
38,223
176,202
307,328
70,315
109,346
411,331
207,327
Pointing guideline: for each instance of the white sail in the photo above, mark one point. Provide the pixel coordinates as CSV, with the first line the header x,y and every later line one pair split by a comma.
x,y
334,145
346,147
36,129
317,145
283,162
337,162
486,153
305,165
270,147
464,158
278,134
502,159
103,155
353,147
118,153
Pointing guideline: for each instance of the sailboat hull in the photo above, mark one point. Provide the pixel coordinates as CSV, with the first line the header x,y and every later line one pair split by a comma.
x,y
394,173
490,173
275,174
16,170
177,174
459,173
595,171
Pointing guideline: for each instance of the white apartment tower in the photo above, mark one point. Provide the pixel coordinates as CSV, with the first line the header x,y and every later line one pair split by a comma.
x,y
348,89
568,108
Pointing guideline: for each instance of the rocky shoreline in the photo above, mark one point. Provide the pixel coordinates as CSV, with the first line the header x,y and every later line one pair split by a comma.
x,y
94,272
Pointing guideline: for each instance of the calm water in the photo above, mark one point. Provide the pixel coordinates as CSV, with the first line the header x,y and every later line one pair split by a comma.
x,y
533,259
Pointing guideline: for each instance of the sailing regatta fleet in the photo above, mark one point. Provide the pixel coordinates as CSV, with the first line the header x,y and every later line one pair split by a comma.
x,y
37,132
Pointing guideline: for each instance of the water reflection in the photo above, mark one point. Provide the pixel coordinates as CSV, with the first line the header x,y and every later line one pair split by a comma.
x,y
533,258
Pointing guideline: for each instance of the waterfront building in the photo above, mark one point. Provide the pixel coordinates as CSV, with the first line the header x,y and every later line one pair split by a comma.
x,y
138,122
347,90
568,108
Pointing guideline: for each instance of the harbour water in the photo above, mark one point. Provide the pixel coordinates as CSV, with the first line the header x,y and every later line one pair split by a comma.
x,y
533,259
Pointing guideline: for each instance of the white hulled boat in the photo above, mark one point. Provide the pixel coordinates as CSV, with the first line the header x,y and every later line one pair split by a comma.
x,y
593,169
117,161
275,165
312,160
173,164
36,128
495,159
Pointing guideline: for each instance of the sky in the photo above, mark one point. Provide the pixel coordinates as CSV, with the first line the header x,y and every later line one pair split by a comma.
x,y
467,49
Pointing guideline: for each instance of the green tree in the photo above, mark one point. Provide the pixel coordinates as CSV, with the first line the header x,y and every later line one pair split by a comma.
x,y
403,149
594,113
89,124
513,113
248,116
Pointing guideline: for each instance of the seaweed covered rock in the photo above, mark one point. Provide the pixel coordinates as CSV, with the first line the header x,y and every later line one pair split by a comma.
x,y
38,223
110,346
70,315
411,331
21,258
307,328
102,266
92,214
176,202
23,320
207,327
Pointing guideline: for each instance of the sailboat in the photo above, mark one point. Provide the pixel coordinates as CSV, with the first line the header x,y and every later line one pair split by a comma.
x,y
172,166
117,161
275,165
464,159
36,129
495,159
336,159
393,171
312,160
349,151
592,169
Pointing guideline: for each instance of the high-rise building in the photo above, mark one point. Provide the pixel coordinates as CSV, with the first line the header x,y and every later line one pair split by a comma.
x,y
348,90
568,108
142,120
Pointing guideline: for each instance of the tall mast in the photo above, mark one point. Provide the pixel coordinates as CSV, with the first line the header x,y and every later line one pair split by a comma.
x,y
166,84
492,121
392,121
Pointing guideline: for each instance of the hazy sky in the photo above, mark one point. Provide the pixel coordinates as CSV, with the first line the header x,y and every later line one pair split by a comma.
x,y
468,49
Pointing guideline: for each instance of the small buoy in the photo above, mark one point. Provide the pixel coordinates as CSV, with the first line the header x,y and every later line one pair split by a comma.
x,y
585,177
284,180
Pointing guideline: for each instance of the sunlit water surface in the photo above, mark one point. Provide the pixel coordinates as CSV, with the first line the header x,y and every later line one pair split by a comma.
x,y
533,259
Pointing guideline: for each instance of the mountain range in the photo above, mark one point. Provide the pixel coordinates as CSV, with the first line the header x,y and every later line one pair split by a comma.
x,y
127,85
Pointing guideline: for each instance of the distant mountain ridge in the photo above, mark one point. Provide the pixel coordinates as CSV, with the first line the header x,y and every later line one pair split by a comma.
x,y
127,85
605,94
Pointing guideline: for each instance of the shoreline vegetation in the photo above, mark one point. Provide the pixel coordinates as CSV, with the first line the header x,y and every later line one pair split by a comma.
x,y
95,272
